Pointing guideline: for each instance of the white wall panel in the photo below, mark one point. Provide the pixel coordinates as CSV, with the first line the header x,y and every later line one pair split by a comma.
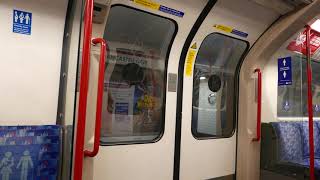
x,y
30,64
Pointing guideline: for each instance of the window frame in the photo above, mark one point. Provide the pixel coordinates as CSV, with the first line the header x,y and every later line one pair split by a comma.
x,y
165,81
194,132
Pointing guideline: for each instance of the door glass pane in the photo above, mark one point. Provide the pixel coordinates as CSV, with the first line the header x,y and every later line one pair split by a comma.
x,y
135,76
214,83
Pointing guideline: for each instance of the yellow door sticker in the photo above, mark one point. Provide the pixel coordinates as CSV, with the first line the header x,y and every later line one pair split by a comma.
x,y
190,60
194,46
223,28
148,4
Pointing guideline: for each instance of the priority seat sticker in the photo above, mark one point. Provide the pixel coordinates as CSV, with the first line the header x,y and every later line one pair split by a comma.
x,y
22,22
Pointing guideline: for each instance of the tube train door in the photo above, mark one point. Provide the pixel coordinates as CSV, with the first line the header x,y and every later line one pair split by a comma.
x,y
144,42
170,88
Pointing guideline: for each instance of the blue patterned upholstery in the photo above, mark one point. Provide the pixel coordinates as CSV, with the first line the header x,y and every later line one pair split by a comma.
x,y
293,142
304,126
30,152
289,141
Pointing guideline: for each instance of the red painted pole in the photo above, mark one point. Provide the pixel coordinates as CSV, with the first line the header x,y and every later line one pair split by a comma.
x,y
97,130
83,93
310,106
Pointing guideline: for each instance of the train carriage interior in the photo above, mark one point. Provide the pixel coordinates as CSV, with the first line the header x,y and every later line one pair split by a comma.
x,y
285,128
159,89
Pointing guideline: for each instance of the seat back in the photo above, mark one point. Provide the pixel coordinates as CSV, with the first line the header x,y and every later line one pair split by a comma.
x,y
30,152
304,127
289,141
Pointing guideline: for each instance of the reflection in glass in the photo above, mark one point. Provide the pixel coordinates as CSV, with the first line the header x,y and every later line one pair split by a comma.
x,y
133,109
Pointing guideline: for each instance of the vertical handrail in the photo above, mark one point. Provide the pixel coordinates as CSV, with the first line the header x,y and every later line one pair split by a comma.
x,y
83,94
310,106
97,130
258,131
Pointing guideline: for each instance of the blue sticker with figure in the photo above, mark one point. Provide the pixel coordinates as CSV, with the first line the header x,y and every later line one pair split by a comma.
x,y
22,22
284,71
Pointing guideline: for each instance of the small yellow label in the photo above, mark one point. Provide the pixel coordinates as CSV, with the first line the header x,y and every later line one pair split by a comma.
x,y
190,60
148,4
223,28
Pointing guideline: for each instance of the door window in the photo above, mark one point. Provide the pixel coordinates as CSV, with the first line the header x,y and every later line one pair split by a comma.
x,y
135,76
214,84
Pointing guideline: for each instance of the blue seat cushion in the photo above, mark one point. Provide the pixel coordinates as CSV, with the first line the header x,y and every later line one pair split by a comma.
x,y
304,127
289,141
37,148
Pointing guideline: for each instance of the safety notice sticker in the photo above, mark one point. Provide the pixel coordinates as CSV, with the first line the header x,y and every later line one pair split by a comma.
x,y
191,56
153,5
230,30
22,22
284,71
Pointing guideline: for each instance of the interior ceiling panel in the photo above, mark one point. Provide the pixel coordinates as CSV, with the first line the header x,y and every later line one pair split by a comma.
x,y
283,6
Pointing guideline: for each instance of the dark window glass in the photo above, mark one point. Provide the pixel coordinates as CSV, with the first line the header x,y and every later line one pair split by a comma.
x,y
135,76
214,83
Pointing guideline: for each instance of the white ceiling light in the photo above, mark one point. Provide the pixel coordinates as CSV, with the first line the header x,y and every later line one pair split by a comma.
x,y
202,78
316,25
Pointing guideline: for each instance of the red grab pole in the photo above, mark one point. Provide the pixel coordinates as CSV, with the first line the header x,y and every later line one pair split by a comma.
x,y
258,135
84,82
310,106
97,130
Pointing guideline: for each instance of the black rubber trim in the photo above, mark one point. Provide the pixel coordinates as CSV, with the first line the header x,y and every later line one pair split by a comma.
x,y
64,64
60,119
161,133
177,147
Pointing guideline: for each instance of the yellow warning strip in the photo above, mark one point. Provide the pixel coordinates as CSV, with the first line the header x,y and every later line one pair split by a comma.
x,y
190,61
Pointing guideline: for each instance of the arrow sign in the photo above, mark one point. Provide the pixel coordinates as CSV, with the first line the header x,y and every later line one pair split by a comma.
x,y
284,71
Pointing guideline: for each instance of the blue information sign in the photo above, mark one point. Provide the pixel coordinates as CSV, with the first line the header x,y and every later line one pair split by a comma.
x,y
22,22
284,71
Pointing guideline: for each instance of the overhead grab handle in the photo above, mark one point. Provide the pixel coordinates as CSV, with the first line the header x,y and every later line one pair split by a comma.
x,y
97,130
258,131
